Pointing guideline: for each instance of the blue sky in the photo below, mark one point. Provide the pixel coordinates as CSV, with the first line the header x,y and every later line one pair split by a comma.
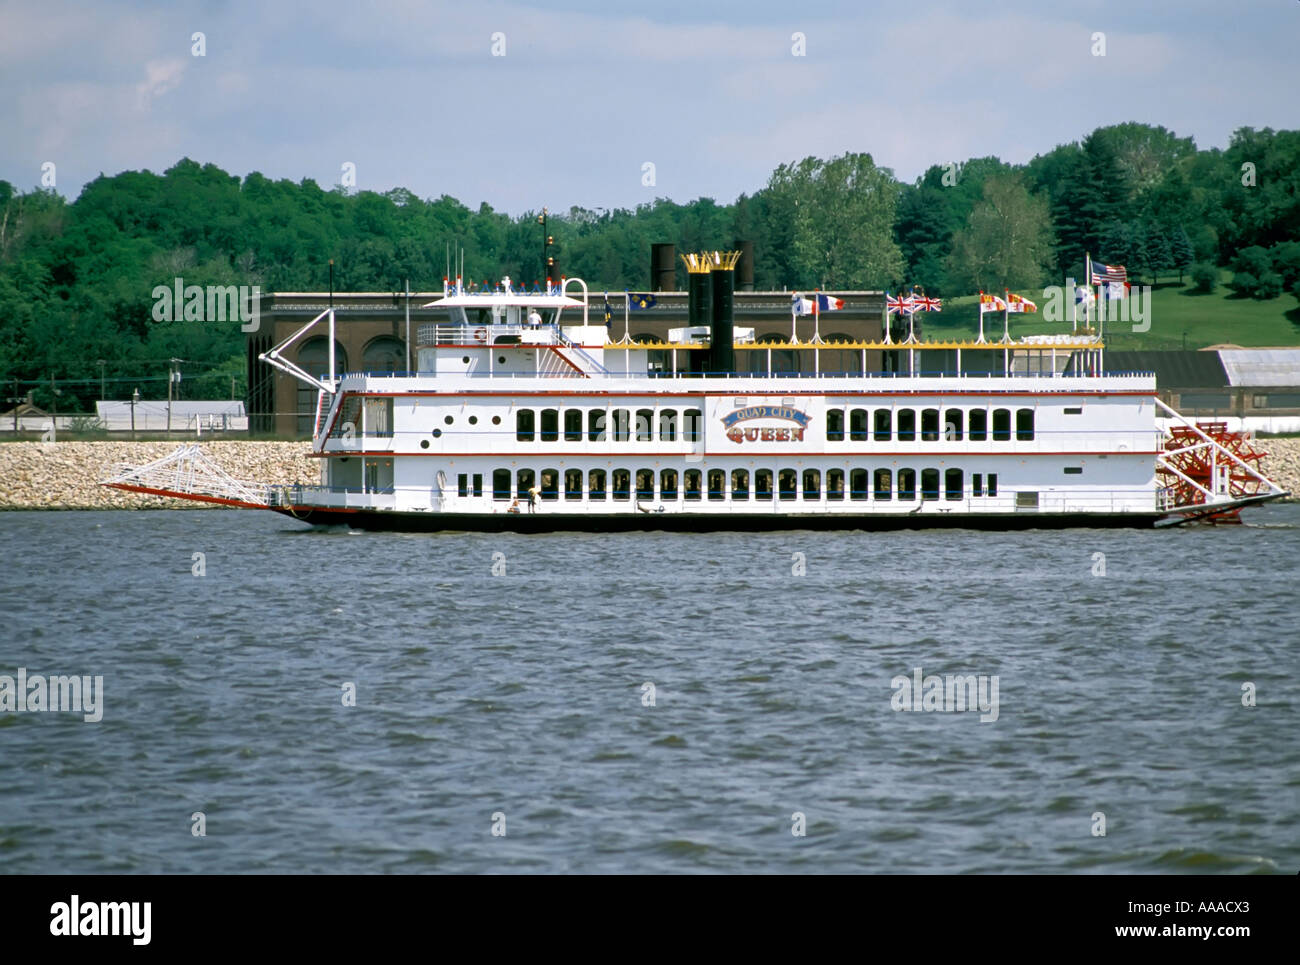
x,y
588,92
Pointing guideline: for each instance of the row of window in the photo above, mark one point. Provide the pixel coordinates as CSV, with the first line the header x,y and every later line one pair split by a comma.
x,y
858,425
882,424
717,484
620,425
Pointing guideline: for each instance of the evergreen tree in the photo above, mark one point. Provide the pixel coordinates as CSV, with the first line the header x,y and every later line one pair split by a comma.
x,y
1180,251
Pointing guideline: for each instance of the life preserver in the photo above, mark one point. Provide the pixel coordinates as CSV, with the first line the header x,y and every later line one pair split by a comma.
x,y
480,334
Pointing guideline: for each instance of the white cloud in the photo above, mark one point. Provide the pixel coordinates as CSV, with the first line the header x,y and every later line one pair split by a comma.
x,y
161,76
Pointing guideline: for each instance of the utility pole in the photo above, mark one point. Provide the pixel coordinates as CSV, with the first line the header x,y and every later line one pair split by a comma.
x,y
135,397
101,380
173,378
547,240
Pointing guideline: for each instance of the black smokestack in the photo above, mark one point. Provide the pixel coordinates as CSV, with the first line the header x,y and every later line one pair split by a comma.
x,y
745,267
723,352
663,268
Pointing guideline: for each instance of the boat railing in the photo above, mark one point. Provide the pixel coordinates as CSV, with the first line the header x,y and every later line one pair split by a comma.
x,y
605,372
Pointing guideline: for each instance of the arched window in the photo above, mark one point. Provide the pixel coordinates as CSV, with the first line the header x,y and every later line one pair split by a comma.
x,y
550,484
884,485
596,484
762,484
717,484
573,484
1024,425
906,425
572,425
834,425
621,425
834,483
858,483
621,484
691,483
645,424
929,425
740,484
787,484
596,425
858,425
550,425
979,425
524,423
1001,425
907,484
525,479
500,483
953,484
645,483
383,354
884,424
692,419
668,484
812,484
952,425
668,425
929,483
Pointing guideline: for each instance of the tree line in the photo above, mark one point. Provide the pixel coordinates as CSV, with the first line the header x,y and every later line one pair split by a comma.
x,y
76,277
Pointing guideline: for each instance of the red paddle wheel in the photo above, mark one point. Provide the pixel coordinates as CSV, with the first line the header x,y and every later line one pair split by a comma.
x,y
1189,458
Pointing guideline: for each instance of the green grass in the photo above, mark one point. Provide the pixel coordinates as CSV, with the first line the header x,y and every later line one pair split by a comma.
x,y
1177,318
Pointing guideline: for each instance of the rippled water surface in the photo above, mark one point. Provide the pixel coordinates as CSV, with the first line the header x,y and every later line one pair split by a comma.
x,y
519,698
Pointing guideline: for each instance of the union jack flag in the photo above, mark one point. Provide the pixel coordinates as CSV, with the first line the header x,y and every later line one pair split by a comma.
x,y
1102,274
901,304
924,303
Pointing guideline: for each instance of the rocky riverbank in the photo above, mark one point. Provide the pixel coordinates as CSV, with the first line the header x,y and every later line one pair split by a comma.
x,y
65,475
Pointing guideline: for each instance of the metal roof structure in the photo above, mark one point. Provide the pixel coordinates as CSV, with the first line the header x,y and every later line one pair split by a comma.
x,y
1174,370
1272,367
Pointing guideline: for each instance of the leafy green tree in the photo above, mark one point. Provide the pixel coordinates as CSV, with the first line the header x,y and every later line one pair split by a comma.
x,y
843,220
1007,241
1205,277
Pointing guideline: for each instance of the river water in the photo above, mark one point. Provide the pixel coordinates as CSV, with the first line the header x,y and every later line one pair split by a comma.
x,y
503,722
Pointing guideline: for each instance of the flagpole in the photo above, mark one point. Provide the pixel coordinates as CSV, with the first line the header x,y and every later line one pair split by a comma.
x,y
885,320
1006,315
794,314
980,305
627,319
817,317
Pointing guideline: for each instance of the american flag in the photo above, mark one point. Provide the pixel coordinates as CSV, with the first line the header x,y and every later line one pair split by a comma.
x,y
1102,274
924,303
903,304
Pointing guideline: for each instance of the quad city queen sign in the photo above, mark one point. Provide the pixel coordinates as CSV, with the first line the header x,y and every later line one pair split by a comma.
x,y
738,433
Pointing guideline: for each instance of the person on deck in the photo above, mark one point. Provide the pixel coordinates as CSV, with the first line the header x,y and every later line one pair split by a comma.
x,y
534,318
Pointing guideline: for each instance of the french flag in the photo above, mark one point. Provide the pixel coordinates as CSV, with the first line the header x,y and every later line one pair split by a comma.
x,y
825,303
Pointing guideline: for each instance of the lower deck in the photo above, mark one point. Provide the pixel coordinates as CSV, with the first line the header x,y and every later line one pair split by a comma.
x,y
542,522
740,486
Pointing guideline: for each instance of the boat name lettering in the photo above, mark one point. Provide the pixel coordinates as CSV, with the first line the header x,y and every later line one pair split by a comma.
x,y
767,412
